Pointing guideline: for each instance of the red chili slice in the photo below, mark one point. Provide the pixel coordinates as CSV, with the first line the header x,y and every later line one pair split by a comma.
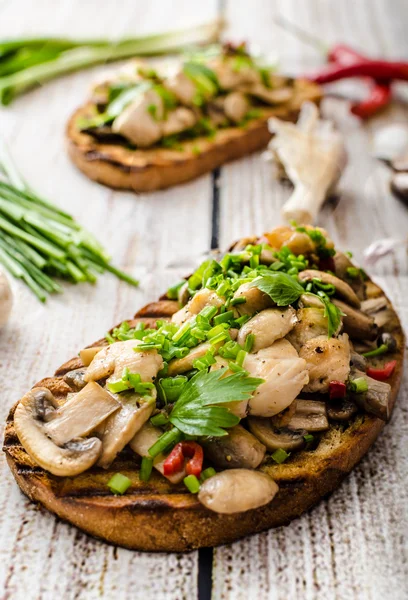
x,y
174,463
337,390
384,373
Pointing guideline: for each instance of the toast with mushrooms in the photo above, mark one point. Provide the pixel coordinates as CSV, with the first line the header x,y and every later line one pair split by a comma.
x,y
146,130
231,405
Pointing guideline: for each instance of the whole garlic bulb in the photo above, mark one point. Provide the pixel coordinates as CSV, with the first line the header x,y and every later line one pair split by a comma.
x,y
6,299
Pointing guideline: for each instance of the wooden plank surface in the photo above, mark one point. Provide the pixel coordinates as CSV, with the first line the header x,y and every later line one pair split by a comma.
x,y
351,546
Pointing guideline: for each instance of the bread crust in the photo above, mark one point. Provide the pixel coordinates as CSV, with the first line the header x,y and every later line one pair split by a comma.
x,y
158,168
158,516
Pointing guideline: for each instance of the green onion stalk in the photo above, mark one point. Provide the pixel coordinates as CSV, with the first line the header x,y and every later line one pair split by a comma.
x,y
27,63
40,243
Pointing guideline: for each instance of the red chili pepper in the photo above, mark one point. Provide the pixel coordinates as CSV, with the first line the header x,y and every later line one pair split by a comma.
x,y
379,98
327,264
337,390
377,69
174,463
384,373
345,55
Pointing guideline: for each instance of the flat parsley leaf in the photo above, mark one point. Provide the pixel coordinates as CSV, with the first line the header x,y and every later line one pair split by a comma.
x,y
196,411
281,287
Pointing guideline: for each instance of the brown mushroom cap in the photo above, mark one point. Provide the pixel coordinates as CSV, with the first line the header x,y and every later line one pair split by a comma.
x,y
342,288
238,449
274,438
73,458
357,324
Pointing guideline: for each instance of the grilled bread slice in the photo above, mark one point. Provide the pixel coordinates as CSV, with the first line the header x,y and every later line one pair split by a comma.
x,y
156,168
159,516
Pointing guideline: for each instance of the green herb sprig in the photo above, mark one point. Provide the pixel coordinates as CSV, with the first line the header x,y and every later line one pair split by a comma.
x,y
40,243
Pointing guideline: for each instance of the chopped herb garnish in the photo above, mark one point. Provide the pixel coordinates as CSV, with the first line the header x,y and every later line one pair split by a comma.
x,y
359,385
280,455
383,349
118,484
145,468
192,484
281,287
207,473
353,272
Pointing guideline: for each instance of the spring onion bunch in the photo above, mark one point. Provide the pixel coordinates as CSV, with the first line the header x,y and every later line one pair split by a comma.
x,y
39,242
25,63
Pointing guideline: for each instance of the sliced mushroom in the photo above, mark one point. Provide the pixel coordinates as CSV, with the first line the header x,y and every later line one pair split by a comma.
x,y
75,379
341,265
143,440
326,360
374,305
310,415
123,425
276,438
356,323
342,288
267,95
137,124
237,450
268,326
341,410
255,300
237,490
284,373
376,400
81,414
236,106
358,361
178,120
71,459
88,354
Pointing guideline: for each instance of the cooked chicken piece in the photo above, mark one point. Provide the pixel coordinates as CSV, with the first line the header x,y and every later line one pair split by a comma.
x,y
229,76
255,300
342,288
258,90
137,124
311,323
181,365
123,425
114,358
236,106
326,360
178,120
182,87
202,298
285,375
268,326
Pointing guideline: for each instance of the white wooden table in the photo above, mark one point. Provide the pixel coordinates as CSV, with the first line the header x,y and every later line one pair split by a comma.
x,y
353,545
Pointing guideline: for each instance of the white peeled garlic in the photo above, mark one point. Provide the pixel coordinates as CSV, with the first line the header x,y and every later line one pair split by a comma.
x,y
391,141
6,299
313,155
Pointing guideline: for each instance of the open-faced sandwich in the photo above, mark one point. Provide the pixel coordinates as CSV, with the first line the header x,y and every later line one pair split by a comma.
x,y
149,129
233,404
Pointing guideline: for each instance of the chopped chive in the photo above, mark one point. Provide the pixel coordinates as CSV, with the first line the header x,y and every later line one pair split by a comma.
x,y
249,342
224,317
219,338
241,357
308,438
170,438
233,366
172,292
353,272
239,300
280,455
208,312
118,484
383,349
146,468
359,385
192,484
159,420
207,473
